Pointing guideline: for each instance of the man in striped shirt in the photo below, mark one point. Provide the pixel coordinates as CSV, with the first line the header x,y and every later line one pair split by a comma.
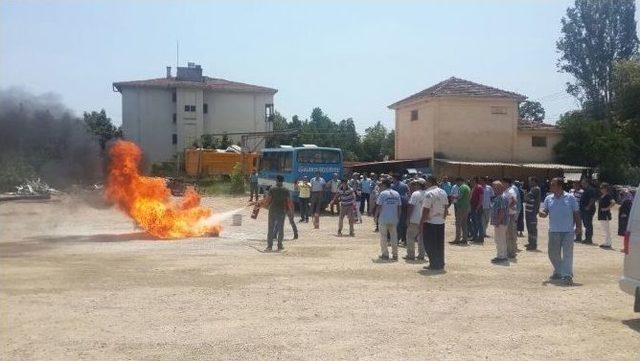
x,y
347,200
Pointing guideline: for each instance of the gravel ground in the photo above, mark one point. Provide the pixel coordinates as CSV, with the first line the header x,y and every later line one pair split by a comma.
x,y
79,282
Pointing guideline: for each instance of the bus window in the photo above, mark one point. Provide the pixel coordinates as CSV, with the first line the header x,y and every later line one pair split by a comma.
x,y
286,162
323,156
277,162
270,162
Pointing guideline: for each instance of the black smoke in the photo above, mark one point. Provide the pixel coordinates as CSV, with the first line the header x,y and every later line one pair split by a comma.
x,y
41,137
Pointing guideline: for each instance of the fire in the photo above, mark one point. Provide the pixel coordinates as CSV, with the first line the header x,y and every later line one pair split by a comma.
x,y
148,200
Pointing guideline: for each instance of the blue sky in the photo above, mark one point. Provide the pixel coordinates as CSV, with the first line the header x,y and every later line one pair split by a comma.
x,y
350,58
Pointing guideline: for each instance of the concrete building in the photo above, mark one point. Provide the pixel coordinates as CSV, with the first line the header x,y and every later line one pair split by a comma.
x,y
166,115
459,120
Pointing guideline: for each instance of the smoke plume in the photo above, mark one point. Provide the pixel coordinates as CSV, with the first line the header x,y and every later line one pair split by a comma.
x,y
40,137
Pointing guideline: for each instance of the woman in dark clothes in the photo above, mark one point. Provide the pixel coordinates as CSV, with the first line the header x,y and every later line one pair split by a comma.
x,y
605,202
521,214
626,200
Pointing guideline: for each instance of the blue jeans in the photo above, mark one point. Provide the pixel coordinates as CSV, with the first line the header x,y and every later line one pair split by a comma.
x,y
561,252
276,228
477,229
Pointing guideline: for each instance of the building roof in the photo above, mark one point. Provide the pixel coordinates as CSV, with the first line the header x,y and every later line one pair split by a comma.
x,y
460,87
208,84
530,125
565,167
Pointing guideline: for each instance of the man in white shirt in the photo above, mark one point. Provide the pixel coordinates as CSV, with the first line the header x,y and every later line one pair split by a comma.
x,y
334,184
512,226
414,233
388,214
434,212
487,196
317,197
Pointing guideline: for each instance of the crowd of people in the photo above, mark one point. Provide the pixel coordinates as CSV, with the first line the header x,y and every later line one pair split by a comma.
x,y
411,210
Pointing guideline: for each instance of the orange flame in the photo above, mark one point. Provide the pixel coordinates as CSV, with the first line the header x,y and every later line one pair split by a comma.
x,y
148,200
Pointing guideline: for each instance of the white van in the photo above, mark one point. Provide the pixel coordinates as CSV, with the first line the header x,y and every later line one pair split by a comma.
x,y
630,281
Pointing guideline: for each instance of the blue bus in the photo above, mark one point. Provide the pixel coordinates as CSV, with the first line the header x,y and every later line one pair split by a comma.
x,y
295,162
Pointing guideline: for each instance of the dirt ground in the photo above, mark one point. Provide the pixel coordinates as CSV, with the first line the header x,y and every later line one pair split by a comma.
x,y
80,283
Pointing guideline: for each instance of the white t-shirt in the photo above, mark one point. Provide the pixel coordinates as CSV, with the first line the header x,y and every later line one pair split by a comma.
x,y
416,200
513,209
335,185
317,184
435,199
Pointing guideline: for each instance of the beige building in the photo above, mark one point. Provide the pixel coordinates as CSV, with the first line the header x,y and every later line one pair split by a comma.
x,y
459,120
166,115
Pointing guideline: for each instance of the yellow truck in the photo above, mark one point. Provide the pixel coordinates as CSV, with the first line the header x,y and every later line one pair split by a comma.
x,y
199,162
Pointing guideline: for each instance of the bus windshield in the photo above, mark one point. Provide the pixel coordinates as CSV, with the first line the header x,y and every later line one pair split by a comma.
x,y
318,156
277,161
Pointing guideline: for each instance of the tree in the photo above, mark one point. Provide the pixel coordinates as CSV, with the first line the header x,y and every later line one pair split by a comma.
x,y
101,127
627,103
594,144
208,141
225,142
595,34
531,111
377,143
348,139
320,130
389,147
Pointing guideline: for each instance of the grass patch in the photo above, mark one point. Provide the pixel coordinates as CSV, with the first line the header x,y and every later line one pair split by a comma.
x,y
215,187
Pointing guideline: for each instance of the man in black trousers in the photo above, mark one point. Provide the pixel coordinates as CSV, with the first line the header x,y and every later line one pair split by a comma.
x,y
434,212
588,209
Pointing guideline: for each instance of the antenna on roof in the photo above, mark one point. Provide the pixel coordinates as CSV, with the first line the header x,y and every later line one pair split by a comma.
x,y
177,53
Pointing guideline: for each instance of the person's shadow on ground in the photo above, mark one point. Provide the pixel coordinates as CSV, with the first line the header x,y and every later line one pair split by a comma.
x,y
560,283
430,272
633,324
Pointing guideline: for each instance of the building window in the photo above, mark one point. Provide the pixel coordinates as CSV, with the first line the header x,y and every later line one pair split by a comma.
x,y
186,108
269,113
538,141
174,97
205,108
192,108
414,115
175,118
174,139
498,110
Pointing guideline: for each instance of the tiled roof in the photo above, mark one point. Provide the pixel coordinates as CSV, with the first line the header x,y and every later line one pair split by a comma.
x,y
529,125
520,165
207,84
460,87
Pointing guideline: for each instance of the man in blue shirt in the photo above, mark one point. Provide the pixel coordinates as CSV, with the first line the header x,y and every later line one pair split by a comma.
x,y
487,196
253,182
446,186
367,185
403,190
388,215
564,213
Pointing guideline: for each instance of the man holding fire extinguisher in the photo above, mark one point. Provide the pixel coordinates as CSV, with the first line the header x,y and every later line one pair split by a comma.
x,y
278,201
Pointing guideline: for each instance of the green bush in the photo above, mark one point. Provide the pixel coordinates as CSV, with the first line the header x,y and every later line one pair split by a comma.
x,y
632,176
163,169
219,186
14,171
237,179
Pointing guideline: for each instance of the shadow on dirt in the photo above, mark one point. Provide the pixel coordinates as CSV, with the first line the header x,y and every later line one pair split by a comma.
x,y
430,272
42,243
633,324
120,237
561,283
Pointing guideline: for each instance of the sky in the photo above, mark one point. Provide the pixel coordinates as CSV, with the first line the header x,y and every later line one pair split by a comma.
x,y
350,58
